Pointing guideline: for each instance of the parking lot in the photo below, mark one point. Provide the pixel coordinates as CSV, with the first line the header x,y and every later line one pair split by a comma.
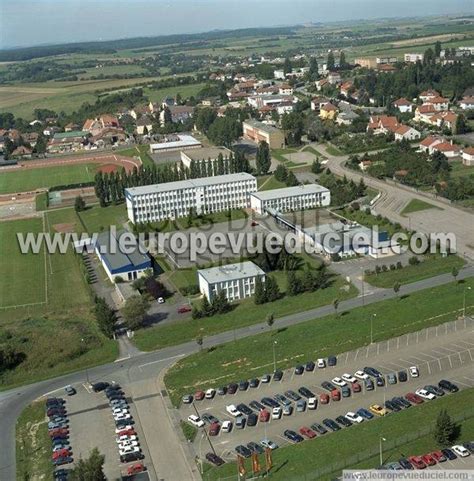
x,y
443,352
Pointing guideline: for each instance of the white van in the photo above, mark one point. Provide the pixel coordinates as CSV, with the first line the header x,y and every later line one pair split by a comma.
x,y
226,426
312,403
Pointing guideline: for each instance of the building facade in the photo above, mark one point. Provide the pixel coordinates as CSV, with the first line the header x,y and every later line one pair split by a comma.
x,y
258,131
290,199
236,280
206,154
154,203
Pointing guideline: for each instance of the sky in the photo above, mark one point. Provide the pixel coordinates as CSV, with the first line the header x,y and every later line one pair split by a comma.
x,y
40,22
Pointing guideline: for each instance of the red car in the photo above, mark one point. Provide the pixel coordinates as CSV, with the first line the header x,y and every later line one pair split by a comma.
x,y
135,469
355,387
438,456
309,433
126,432
414,398
199,395
62,453
263,416
324,398
417,462
183,309
214,429
58,432
336,395
428,459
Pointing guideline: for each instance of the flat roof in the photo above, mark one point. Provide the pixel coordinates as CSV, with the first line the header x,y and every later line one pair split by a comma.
x,y
289,191
184,141
189,183
119,260
72,134
230,272
270,129
206,153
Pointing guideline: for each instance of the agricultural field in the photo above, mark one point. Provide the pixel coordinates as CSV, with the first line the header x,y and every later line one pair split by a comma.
x,y
26,179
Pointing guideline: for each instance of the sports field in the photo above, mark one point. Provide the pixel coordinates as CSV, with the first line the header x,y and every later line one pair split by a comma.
x,y
23,276
24,179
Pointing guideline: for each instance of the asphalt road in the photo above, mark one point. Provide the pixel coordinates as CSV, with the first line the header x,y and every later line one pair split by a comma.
x,y
146,366
446,218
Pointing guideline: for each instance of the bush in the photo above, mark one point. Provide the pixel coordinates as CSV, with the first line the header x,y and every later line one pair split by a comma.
x,y
413,261
190,290
399,265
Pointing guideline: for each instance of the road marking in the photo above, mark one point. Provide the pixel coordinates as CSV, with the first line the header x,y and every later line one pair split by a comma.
x,y
160,360
123,358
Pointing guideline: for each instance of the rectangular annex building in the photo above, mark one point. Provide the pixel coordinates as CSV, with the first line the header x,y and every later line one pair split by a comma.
x,y
236,280
154,203
258,131
128,264
288,199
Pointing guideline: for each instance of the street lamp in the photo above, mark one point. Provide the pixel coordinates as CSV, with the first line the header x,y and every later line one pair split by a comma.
x,y
381,440
464,302
372,328
274,356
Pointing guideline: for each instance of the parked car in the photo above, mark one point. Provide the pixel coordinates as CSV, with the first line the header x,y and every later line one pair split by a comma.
x,y
318,428
214,429
348,378
300,405
438,456
276,413
405,464
428,459
324,398
209,418
243,451
335,395
255,448
329,386
252,419
283,400
221,391
461,451
187,399
380,381
293,436
425,394
267,443
391,406
332,425
199,395
402,376
195,420
278,375
321,363
244,409
391,378
62,461
378,410
254,383
345,391
309,366
214,459
292,395
287,410
226,426
266,378
414,371
361,375
339,382
332,360
354,417
308,432
305,392
269,402
312,403
70,391
448,386
369,384
299,369
243,385
100,386
130,457
256,406
356,387
232,388
184,309
414,398
449,453
366,414
343,421
437,391
263,416
232,410
210,393
417,462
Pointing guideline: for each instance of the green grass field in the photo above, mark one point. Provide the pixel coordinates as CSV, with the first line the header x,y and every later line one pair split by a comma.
x,y
416,205
97,219
22,180
461,170
271,183
430,266
142,151
296,461
317,338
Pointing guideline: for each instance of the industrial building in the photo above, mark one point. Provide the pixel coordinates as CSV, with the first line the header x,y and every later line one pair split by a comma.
x,y
206,154
154,203
258,131
175,143
236,280
290,199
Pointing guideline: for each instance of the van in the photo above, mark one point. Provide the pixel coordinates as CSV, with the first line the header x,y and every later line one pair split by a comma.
x,y
226,426
312,403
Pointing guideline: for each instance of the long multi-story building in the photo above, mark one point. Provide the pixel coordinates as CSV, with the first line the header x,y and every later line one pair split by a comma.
x,y
290,199
258,131
154,203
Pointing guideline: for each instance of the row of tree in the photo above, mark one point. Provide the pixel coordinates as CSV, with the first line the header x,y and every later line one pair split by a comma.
x,y
266,291
283,174
237,162
309,281
343,191
218,305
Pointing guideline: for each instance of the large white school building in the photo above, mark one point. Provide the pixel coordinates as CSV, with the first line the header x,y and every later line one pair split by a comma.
x,y
154,203
289,199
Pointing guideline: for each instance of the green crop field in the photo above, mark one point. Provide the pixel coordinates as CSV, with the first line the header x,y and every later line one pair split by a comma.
x,y
23,180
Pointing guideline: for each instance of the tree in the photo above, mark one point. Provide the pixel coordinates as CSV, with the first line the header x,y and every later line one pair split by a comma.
x,y
79,204
460,127
272,291
316,167
291,180
281,173
293,284
270,320
287,68
204,119
455,273
335,304
90,469
105,315
260,295
445,429
135,310
331,63
342,59
437,49
313,69
263,159
224,131
396,288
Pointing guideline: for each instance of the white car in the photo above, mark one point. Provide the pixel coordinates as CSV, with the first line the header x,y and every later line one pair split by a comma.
x,y
233,411
321,363
195,420
339,382
118,402
267,443
425,394
119,410
129,450
361,375
276,413
122,417
353,417
128,444
226,427
124,438
210,393
348,378
460,450
161,300
414,371
123,428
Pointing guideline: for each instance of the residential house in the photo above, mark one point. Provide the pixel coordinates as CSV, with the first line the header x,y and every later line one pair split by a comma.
x,y
468,156
68,141
138,111
386,60
346,88
446,119
179,114
318,102
467,103
428,144
346,117
365,62
439,103
70,127
30,138
320,84
144,125
328,111
386,68
285,89
428,94
382,124
413,57
364,165
423,113
449,149
94,126
22,152
405,132
108,136
403,105
334,78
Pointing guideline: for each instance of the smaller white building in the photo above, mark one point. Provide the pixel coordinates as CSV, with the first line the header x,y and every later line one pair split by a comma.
x,y
413,57
468,156
236,280
176,142
308,196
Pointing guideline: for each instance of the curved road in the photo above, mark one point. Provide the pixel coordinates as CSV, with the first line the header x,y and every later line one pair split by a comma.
x,y
394,197
12,402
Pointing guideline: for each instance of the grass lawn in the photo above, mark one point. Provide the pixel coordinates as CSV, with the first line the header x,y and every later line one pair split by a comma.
x,y
22,180
313,339
314,151
97,219
41,201
142,151
279,154
415,205
189,430
298,460
33,446
332,150
271,183
157,95
431,265
458,169
244,313
23,275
